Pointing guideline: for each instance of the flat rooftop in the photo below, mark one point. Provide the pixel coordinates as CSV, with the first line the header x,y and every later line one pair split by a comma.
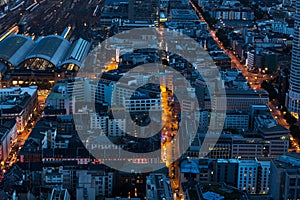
x,y
288,161
184,14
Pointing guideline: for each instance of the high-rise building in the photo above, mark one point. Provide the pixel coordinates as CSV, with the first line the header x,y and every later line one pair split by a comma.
x,y
293,101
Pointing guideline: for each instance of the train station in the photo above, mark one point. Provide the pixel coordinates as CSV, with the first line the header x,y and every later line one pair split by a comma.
x,y
22,59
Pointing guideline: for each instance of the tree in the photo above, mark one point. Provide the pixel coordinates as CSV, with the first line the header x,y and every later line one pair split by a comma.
x,y
295,131
210,20
270,89
222,35
290,119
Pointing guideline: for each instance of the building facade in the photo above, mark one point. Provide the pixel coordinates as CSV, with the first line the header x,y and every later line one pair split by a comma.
x,y
293,98
18,103
285,177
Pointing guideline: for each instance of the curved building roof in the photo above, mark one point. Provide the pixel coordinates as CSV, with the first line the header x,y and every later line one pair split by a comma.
x,y
14,48
78,52
52,48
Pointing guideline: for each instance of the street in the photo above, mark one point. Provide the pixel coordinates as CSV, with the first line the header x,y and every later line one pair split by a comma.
x,y
254,80
169,144
16,145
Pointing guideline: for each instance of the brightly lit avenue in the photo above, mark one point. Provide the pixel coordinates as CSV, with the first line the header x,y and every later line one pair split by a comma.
x,y
53,52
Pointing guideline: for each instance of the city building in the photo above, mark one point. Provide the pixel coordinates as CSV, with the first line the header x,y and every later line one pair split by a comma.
x,y
257,110
70,180
98,122
143,10
110,10
269,129
52,176
285,176
250,175
263,177
116,127
191,190
50,51
60,194
202,116
54,141
124,96
293,97
14,50
104,92
142,103
260,58
239,99
212,195
282,27
283,84
158,187
248,145
8,134
29,61
19,103
57,163
221,59
58,132
247,175
60,99
226,171
71,96
237,120
232,12
239,95
111,127
94,183
135,179
242,99
189,170
182,15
